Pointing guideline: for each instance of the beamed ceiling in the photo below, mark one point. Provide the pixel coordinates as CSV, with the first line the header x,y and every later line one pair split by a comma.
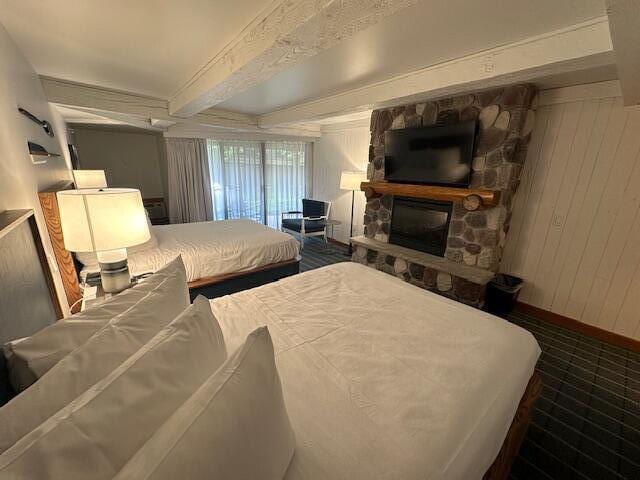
x,y
284,67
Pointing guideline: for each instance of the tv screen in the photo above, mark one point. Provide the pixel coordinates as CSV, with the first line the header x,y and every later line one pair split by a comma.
x,y
439,155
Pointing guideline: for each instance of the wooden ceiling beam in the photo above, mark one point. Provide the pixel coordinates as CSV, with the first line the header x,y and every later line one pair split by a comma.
x,y
152,113
579,47
188,130
624,23
288,32
130,120
74,95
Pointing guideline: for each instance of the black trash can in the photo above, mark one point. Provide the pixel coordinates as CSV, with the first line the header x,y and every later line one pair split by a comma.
x,y
502,293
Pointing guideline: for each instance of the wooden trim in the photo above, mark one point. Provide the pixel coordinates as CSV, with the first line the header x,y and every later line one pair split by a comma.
x,y
64,259
203,282
500,468
584,328
46,268
488,198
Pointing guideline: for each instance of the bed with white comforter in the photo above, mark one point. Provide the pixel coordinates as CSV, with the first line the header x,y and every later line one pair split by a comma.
x,y
384,380
209,249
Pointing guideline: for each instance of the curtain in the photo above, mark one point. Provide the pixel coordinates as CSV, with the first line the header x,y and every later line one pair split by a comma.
x,y
236,179
258,180
285,178
189,180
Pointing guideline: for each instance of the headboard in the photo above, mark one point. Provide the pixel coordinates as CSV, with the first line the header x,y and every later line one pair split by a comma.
x,y
64,258
28,301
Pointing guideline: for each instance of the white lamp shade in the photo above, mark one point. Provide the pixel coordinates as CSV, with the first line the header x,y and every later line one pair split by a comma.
x,y
352,180
102,219
89,179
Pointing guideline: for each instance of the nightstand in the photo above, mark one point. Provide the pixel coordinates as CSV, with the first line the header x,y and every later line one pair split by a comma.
x,y
93,295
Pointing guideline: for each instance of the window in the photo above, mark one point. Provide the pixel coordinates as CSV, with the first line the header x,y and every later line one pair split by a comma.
x,y
258,180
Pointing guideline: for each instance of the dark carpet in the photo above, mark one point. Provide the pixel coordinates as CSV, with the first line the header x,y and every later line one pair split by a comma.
x,y
316,254
586,423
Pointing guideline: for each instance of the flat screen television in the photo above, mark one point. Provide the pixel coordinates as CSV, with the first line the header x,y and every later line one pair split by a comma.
x,y
439,155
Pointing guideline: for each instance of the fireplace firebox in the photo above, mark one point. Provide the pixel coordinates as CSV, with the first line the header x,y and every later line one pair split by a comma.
x,y
420,224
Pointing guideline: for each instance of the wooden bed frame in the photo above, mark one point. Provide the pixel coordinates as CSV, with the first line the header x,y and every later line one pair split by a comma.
x,y
211,287
500,468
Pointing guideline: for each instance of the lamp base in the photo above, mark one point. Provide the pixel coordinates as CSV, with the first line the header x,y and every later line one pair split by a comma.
x,y
114,271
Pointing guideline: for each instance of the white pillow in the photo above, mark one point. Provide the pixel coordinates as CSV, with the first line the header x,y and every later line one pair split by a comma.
x,y
234,427
32,357
95,435
116,341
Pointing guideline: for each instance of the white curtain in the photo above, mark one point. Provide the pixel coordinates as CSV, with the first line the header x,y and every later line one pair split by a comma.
x,y
189,180
236,179
258,180
285,174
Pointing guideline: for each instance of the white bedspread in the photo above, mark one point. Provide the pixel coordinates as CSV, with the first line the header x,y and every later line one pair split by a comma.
x,y
384,380
214,248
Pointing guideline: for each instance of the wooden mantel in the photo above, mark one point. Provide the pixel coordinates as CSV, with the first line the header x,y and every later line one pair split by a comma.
x,y
473,198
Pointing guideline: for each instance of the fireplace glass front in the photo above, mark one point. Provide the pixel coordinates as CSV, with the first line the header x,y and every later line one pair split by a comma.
x,y
420,224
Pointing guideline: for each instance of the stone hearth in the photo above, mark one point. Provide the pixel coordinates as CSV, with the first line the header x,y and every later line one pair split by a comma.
x,y
456,280
475,238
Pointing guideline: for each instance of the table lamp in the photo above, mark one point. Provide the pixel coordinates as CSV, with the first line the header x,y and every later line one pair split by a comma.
x,y
105,221
89,179
351,181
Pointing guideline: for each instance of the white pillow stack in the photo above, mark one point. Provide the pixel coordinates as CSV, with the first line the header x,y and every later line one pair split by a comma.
x,y
90,362
149,394
234,427
34,356
97,433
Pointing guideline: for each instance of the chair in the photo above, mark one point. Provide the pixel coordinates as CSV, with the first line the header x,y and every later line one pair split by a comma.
x,y
312,223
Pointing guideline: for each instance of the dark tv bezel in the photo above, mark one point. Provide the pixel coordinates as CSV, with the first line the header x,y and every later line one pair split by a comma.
x,y
436,127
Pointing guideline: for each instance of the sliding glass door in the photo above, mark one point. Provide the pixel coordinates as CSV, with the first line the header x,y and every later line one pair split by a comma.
x,y
236,180
258,180
285,178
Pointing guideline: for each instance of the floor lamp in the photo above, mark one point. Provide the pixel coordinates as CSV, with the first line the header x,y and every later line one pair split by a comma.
x,y
351,181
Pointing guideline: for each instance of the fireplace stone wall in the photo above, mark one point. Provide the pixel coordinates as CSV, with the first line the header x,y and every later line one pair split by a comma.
x,y
506,117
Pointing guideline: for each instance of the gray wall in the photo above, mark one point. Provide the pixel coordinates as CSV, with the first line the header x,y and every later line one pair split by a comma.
x,y
131,157
20,179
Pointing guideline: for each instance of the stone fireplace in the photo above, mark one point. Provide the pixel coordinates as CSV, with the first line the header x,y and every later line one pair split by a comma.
x,y
474,240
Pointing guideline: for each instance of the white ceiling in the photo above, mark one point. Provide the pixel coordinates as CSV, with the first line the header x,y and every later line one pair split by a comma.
x,y
150,47
425,34
154,47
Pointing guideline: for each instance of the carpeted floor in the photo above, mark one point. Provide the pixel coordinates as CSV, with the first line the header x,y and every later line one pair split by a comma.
x,y
317,254
586,424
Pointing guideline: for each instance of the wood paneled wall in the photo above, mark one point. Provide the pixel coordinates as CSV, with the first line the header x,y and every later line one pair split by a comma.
x,y
575,231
